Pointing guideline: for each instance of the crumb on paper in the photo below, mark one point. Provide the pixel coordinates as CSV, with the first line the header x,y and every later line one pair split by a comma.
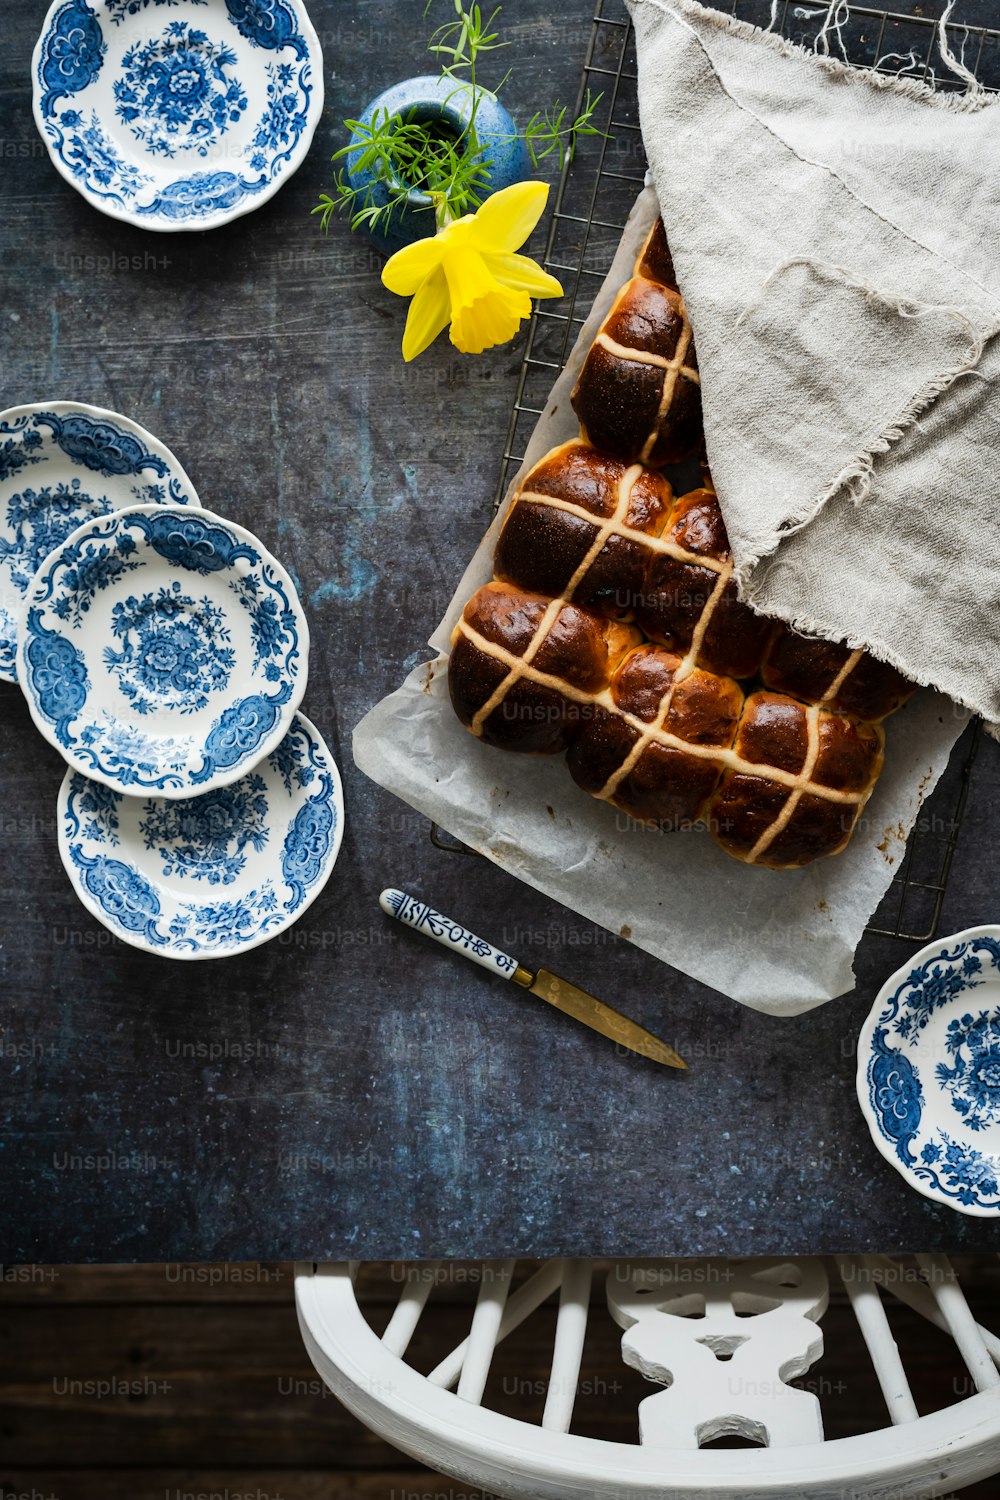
x,y
549,810
625,931
888,835
428,676
821,905
883,848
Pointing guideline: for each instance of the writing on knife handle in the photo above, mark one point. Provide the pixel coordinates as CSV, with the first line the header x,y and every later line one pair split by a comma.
x,y
447,932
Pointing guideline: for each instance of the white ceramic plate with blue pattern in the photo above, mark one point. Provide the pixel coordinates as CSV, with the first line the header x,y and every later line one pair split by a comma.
x,y
62,463
177,114
209,876
929,1071
162,650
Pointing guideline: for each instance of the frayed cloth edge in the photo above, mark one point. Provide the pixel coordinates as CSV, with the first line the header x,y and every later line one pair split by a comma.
x,y
857,476
969,102
903,307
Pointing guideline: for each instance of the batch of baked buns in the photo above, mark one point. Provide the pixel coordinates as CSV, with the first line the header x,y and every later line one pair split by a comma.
x,y
612,631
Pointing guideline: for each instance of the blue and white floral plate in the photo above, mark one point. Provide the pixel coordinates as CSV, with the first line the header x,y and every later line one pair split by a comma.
x,y
162,650
213,875
177,114
60,464
929,1071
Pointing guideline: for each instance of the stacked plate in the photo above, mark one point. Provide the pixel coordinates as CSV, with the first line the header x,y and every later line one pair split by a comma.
x,y
164,653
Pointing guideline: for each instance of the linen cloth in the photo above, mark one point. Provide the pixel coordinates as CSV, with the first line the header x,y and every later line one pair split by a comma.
x,y
836,237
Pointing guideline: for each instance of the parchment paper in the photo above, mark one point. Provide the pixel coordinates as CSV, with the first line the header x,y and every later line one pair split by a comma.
x,y
780,942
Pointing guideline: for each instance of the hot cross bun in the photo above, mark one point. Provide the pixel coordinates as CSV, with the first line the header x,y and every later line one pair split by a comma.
x,y
852,681
796,782
638,396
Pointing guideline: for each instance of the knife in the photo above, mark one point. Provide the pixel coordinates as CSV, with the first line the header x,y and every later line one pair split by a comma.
x,y
566,997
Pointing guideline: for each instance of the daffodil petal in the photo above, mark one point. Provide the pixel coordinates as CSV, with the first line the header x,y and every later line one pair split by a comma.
x,y
505,220
429,312
523,274
410,267
489,321
467,273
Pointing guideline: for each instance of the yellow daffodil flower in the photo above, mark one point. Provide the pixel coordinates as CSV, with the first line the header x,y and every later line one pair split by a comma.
x,y
468,274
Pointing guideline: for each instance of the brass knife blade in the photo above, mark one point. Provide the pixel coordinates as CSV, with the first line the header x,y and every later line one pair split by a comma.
x,y
573,1001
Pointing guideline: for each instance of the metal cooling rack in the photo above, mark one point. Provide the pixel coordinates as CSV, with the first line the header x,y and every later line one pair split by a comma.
x,y
593,198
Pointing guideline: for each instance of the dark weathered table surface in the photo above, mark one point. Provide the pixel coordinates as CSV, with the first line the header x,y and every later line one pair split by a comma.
x,y
348,1090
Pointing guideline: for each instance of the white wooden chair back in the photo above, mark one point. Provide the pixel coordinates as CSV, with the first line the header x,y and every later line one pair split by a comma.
x,y
721,1339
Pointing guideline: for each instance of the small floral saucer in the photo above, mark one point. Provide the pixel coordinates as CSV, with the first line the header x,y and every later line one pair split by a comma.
x,y
177,114
929,1071
60,464
162,650
212,875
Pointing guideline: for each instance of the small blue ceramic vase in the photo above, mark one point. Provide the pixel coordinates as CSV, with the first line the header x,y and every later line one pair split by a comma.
x,y
432,97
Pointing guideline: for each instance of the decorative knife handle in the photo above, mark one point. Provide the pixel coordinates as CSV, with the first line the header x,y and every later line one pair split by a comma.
x,y
450,934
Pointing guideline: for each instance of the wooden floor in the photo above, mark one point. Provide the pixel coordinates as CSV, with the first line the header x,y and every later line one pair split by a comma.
x,y
191,1383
